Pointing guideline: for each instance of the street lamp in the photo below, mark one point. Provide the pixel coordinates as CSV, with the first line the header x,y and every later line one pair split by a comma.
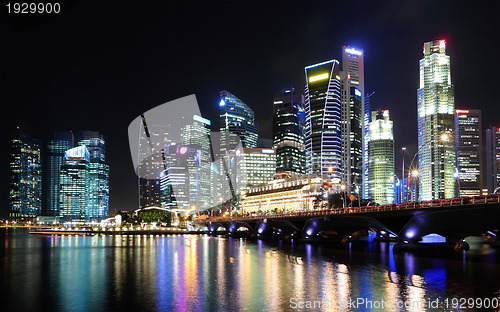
x,y
402,175
343,195
443,138
457,176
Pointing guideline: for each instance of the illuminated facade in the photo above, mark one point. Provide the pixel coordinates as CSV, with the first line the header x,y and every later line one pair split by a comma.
x,y
493,158
352,119
98,176
283,195
237,129
289,131
74,192
258,165
381,159
196,157
469,151
237,118
25,179
323,120
366,140
55,152
436,116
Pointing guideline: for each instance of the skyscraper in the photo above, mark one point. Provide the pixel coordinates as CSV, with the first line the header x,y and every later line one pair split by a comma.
x,y
237,129
469,151
55,152
493,158
289,131
25,180
352,116
237,118
258,166
75,185
98,176
381,158
366,140
436,124
198,160
323,127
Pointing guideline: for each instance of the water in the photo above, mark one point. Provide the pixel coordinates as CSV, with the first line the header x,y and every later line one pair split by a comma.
x,y
201,273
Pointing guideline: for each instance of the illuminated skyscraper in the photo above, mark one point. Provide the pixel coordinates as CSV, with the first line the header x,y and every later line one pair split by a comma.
x,y
366,140
25,179
55,152
75,185
258,165
352,119
198,160
493,158
436,117
98,176
381,159
288,131
237,118
237,129
323,128
469,151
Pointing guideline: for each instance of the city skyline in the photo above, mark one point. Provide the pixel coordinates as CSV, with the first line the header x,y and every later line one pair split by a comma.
x,y
54,102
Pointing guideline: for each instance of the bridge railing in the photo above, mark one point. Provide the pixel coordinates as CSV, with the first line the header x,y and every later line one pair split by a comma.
x,y
485,199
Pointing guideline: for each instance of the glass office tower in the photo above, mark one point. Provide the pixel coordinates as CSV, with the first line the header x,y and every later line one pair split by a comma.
x,y
493,158
25,178
75,185
436,124
195,140
55,152
352,116
289,131
381,159
469,152
98,179
259,166
322,109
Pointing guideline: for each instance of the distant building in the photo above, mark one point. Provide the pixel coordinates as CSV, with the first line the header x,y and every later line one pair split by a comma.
x,y
323,120
74,192
25,177
54,159
366,140
98,176
469,151
236,118
196,137
257,166
381,158
352,116
492,158
436,117
289,131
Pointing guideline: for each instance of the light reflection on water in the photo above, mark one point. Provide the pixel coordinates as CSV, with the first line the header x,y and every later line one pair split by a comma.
x,y
201,273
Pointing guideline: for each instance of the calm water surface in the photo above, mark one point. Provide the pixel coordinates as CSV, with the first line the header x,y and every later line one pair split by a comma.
x,y
202,273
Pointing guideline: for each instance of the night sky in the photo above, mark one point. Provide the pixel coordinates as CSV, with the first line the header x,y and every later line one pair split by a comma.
x,y
99,64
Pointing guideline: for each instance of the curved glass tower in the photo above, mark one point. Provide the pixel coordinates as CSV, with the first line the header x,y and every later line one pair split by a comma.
x,y
322,108
436,117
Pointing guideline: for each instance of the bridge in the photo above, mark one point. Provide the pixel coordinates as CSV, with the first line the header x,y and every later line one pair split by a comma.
x,y
410,224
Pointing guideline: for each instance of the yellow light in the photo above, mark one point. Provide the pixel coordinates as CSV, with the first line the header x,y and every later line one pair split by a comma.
x,y
414,173
318,77
444,137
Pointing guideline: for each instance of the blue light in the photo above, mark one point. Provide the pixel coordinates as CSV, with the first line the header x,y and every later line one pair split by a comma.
x,y
323,63
309,232
357,92
222,103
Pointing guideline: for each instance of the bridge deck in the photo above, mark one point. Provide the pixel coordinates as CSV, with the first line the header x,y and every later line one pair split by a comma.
x,y
462,201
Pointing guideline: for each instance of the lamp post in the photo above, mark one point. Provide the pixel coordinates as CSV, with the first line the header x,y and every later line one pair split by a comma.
x,y
402,175
457,176
343,195
443,138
